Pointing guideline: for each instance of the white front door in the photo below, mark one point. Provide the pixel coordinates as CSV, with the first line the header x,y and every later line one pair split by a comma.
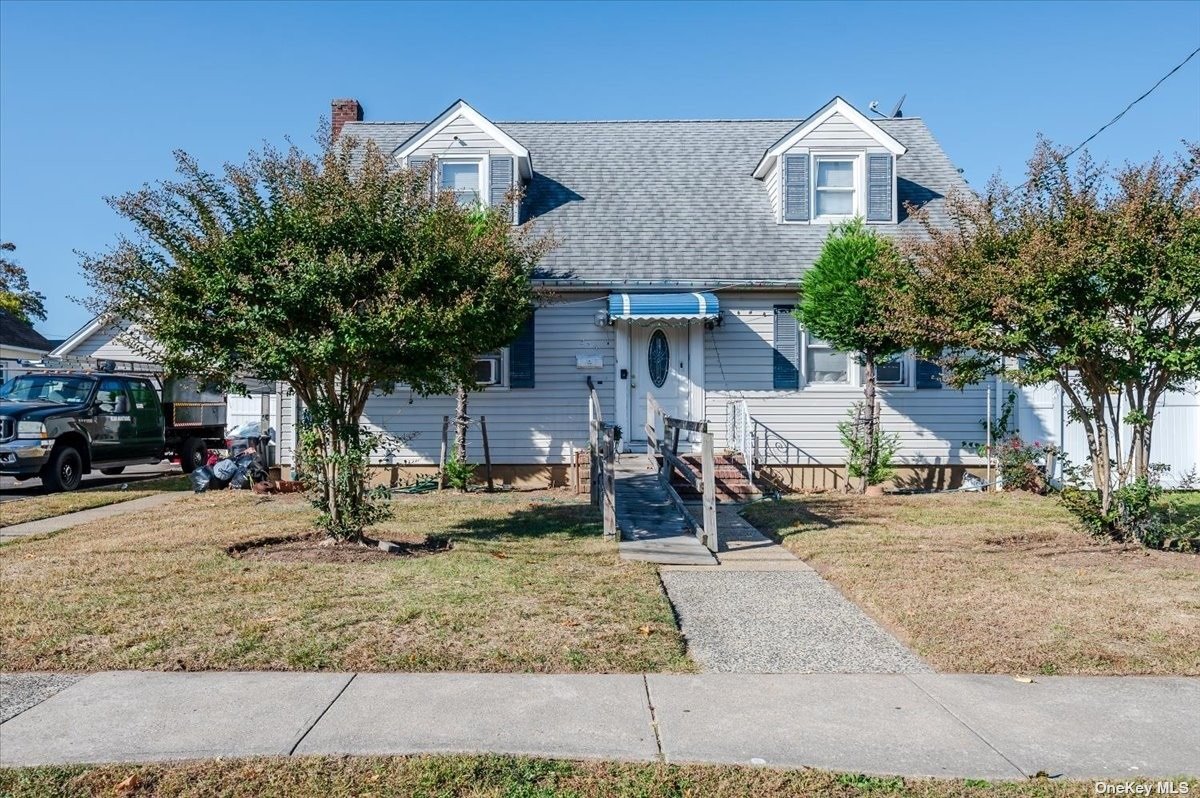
x,y
658,355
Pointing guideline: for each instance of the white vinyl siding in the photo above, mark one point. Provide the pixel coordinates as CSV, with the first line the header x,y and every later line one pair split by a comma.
x,y
109,341
471,141
932,424
537,425
772,182
838,131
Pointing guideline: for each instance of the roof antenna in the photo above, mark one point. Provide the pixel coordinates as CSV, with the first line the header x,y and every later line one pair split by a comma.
x,y
896,112
873,106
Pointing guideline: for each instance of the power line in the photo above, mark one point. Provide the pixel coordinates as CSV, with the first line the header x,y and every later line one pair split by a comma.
x,y
1125,110
1111,122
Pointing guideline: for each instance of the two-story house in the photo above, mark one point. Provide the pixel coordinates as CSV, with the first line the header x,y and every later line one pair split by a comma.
x,y
681,243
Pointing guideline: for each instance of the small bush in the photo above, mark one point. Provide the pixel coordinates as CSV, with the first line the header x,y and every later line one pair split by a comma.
x,y
1022,465
856,440
458,473
345,473
1142,511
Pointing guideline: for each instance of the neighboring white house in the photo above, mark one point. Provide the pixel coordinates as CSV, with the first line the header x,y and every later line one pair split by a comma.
x,y
102,339
18,341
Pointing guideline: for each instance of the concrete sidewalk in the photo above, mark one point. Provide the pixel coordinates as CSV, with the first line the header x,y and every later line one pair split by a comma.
x,y
991,727
58,523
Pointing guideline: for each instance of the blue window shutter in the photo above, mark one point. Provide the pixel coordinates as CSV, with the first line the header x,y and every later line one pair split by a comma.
x,y
928,374
420,162
521,356
795,188
787,350
879,187
500,179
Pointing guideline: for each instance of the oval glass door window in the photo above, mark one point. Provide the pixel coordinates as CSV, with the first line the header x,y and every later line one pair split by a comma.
x,y
658,356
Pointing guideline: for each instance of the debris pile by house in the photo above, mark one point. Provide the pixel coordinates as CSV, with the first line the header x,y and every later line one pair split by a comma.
x,y
242,468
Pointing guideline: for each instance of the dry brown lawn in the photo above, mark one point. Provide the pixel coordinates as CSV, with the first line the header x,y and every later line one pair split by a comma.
x,y
52,505
999,583
529,585
490,777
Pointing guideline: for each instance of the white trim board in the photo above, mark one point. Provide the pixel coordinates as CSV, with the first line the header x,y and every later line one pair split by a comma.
x,y
835,106
460,109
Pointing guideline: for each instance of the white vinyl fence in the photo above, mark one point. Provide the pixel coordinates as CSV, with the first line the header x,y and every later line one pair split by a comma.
x,y
1042,415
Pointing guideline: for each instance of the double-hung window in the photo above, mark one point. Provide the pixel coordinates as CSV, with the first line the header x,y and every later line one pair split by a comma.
x,y
825,365
462,177
834,192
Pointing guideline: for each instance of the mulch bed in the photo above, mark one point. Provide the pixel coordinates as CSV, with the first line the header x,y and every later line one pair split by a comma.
x,y
318,548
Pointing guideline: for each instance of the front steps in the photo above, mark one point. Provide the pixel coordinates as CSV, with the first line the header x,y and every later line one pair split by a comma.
x,y
729,478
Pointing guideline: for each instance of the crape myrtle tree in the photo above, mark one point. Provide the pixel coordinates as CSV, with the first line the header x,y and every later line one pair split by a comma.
x,y
1084,277
340,274
842,303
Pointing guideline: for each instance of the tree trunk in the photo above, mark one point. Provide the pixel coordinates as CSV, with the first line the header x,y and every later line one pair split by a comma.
x,y
869,422
460,425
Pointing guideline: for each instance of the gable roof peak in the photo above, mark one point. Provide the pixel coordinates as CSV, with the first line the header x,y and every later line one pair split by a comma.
x,y
461,109
836,106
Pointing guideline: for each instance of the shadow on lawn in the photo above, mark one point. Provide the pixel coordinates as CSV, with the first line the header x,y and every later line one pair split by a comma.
x,y
778,520
538,520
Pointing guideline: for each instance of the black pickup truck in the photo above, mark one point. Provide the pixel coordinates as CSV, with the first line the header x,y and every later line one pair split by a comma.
x,y
61,425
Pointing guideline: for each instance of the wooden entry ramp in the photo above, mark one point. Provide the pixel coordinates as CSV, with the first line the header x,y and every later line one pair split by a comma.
x,y
652,527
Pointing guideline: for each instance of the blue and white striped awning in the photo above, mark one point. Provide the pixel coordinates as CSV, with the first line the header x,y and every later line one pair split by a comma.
x,y
701,305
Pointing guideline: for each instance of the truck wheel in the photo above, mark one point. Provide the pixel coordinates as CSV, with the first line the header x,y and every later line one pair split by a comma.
x,y
112,472
64,471
192,455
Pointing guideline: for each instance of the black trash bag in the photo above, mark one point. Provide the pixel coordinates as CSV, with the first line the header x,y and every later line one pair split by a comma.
x,y
204,479
250,463
226,469
201,479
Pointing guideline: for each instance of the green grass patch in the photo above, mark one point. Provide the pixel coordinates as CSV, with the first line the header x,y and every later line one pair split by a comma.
x,y
489,777
52,505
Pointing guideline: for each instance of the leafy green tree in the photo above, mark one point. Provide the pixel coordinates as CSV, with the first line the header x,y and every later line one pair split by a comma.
x,y
340,274
840,303
1086,278
16,297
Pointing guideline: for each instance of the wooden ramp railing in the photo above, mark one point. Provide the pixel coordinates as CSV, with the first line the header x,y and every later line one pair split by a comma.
x,y
704,482
602,446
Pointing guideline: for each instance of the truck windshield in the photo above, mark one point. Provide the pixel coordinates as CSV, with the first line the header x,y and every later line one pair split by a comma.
x,y
58,388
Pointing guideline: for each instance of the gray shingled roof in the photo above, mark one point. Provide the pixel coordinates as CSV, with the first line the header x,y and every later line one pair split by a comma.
x,y
15,332
674,201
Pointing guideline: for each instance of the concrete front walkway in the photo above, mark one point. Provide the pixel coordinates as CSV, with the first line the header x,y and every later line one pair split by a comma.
x,y
990,727
61,522
764,610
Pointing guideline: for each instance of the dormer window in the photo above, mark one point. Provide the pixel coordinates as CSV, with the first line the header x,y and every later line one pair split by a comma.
x,y
834,187
461,177
835,165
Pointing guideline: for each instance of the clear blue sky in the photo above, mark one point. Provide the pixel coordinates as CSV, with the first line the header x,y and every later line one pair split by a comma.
x,y
94,97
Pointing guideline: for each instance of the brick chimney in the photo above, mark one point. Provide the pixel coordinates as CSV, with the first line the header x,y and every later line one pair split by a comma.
x,y
345,111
